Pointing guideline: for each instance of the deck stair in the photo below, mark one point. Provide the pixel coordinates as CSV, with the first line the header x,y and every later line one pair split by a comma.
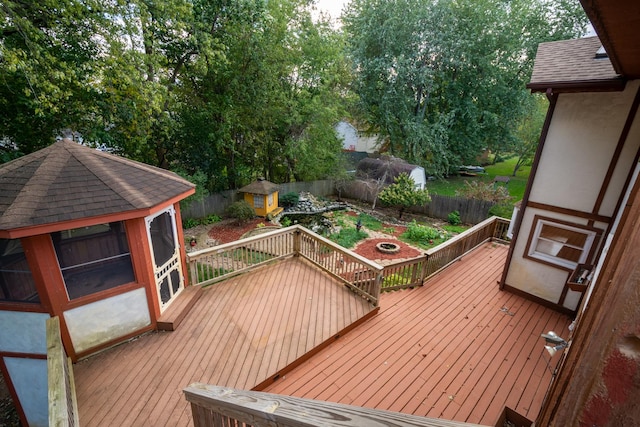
x,y
179,308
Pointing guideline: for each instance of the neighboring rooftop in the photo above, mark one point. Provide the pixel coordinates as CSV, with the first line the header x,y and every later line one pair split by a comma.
x,y
384,167
67,181
571,62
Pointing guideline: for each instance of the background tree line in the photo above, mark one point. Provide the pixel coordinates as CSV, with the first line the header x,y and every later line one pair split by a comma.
x,y
228,90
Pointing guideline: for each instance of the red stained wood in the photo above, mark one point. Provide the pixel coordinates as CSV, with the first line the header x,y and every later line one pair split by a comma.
x,y
457,348
238,334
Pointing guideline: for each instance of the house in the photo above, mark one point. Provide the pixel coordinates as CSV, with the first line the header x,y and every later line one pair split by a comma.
x,y
355,141
386,168
576,234
91,238
262,195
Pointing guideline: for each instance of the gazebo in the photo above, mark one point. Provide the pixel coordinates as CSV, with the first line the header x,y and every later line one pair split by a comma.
x,y
262,195
92,238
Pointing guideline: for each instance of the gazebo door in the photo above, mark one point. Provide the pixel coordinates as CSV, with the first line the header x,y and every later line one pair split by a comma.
x,y
165,248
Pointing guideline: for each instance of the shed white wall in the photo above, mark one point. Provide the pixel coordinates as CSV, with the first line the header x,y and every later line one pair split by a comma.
x,y
419,177
583,135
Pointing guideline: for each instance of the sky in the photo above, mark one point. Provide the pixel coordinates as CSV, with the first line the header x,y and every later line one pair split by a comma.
x,y
334,7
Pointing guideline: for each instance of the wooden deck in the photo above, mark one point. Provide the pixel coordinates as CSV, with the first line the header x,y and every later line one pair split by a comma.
x,y
457,348
239,333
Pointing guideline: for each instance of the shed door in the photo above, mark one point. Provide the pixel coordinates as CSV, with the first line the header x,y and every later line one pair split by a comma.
x,y
165,249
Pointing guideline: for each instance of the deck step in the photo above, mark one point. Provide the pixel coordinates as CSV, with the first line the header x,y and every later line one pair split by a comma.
x,y
179,308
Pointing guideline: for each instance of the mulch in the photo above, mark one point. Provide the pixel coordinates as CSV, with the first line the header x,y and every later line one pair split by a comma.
x,y
229,230
367,248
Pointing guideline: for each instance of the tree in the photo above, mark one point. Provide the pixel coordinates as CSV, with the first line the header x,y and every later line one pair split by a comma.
x,y
528,132
446,79
403,194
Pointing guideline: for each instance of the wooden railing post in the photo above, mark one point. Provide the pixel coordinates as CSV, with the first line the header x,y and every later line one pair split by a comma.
x,y
296,242
221,406
63,403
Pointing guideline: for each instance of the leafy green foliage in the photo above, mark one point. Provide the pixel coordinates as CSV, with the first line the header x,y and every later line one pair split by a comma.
x,y
421,233
446,79
289,199
395,280
241,211
348,237
402,193
492,192
454,218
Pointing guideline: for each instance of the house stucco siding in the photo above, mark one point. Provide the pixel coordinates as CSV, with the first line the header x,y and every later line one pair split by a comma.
x,y
580,144
574,184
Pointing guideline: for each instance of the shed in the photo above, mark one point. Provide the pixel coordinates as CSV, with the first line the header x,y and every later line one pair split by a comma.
x,y
92,238
386,168
262,195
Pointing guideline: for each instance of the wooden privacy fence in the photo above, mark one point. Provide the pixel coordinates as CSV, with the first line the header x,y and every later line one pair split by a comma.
x,y
63,403
414,272
214,406
218,263
217,203
472,211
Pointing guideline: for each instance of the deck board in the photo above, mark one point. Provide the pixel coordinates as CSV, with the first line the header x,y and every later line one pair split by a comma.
x,y
457,348
239,333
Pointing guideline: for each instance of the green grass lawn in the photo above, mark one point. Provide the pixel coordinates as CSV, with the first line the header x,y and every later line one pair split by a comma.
x,y
516,186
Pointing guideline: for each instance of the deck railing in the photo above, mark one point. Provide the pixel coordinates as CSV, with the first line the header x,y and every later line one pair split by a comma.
x,y
411,273
218,263
214,406
63,403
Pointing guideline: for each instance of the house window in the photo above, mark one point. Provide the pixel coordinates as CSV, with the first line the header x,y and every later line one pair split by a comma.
x,y
560,244
93,259
16,281
258,201
270,201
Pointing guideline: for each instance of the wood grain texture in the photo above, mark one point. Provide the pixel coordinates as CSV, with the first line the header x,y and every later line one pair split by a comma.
x,y
237,334
457,348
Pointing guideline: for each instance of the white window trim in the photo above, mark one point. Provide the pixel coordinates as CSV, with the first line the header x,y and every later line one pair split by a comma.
x,y
591,235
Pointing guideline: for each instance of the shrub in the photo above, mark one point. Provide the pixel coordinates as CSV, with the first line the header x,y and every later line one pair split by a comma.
x,y
190,223
403,194
286,221
454,218
421,233
241,211
210,219
484,191
289,199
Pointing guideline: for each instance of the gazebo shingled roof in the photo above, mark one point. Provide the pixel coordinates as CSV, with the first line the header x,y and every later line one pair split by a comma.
x,y
67,181
263,187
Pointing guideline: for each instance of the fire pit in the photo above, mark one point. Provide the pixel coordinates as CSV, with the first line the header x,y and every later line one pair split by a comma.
x,y
388,247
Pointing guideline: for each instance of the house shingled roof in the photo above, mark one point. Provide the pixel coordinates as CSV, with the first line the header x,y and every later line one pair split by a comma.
x,y
571,62
263,187
67,181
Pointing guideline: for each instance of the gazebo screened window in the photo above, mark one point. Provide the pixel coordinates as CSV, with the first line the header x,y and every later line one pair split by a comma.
x,y
93,259
16,281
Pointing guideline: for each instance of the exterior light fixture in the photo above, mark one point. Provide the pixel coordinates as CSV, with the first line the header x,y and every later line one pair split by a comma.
x,y
554,342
